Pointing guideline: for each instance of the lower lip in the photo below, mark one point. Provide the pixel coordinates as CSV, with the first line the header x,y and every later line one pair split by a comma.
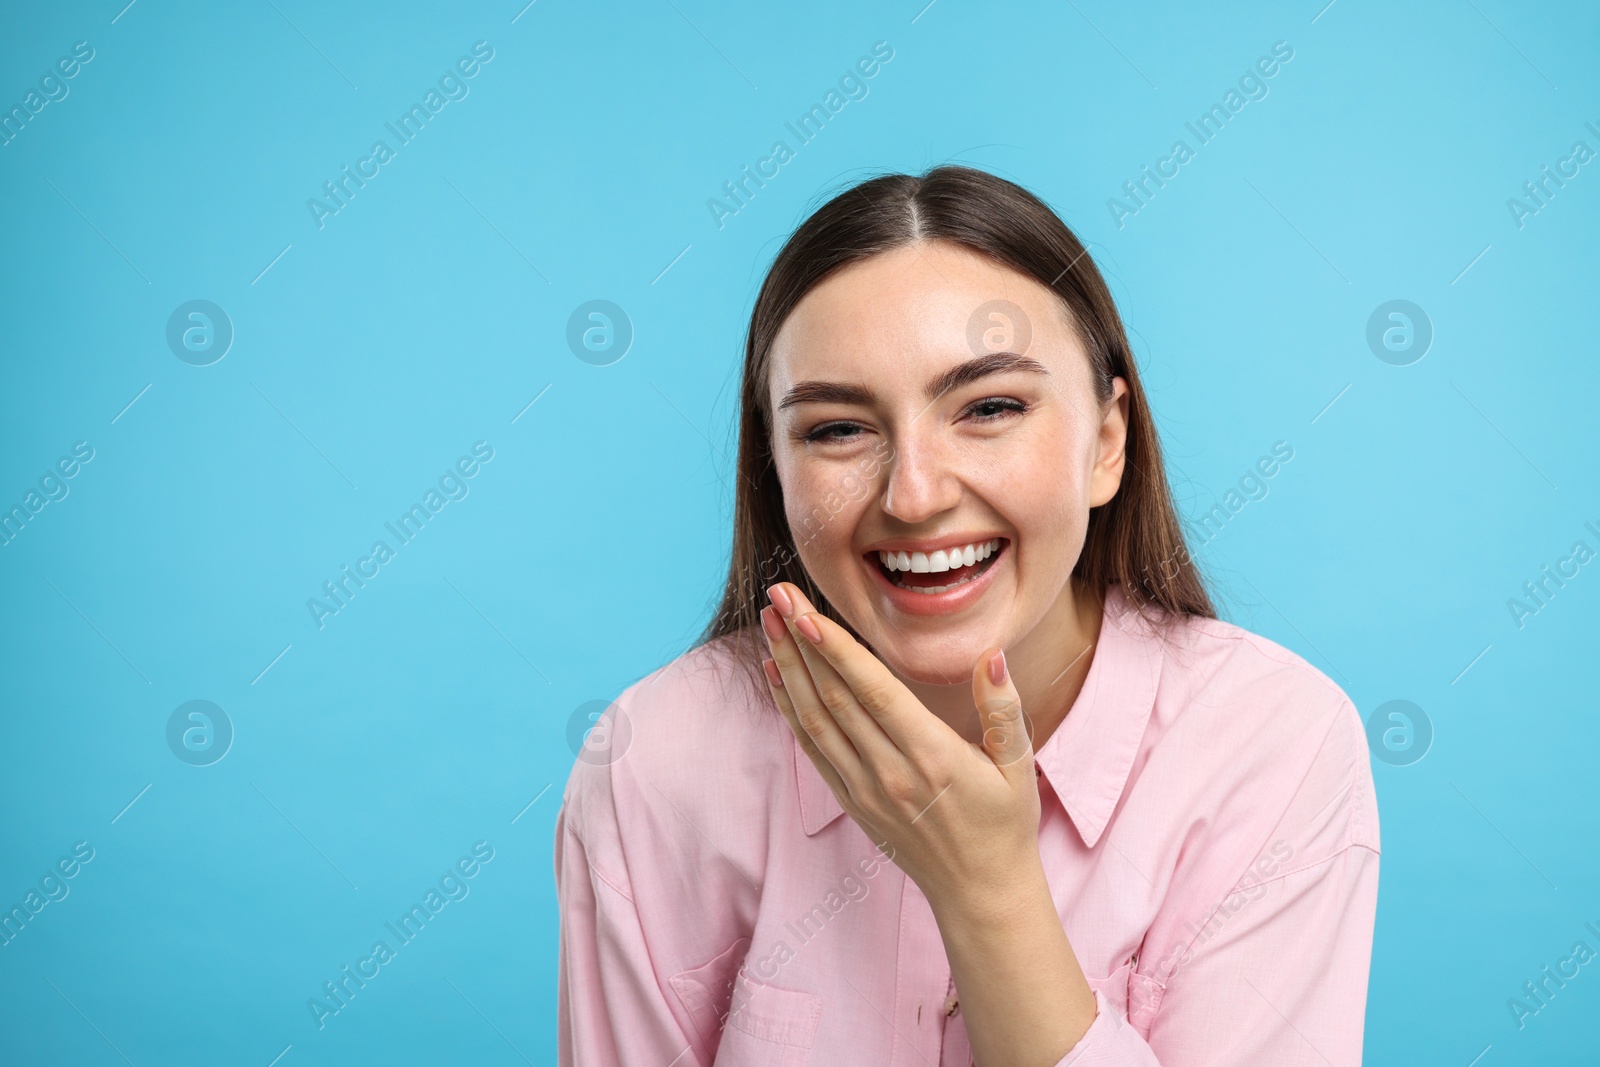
x,y
945,603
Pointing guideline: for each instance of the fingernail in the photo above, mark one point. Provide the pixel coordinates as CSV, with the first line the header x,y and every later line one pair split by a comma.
x,y
808,626
774,675
997,667
772,625
780,598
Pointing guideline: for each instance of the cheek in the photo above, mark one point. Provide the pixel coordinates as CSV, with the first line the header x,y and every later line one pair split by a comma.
x,y
1041,473
1044,494
823,503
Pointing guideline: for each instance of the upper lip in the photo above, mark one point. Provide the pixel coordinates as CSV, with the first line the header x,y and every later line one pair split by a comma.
x,y
928,545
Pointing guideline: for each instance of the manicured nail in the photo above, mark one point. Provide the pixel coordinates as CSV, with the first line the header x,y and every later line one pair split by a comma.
x,y
772,625
774,675
808,626
781,600
997,668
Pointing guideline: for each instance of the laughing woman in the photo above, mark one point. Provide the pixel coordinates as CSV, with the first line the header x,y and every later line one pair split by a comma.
x,y
1084,822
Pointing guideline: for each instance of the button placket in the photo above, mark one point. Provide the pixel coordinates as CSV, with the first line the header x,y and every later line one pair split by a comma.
x,y
955,1048
921,966
952,1000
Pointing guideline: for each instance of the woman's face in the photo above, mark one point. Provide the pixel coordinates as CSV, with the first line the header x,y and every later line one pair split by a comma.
x,y
926,400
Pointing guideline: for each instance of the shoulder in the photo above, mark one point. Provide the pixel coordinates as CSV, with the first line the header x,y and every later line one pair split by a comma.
x,y
1272,732
673,807
1218,656
683,755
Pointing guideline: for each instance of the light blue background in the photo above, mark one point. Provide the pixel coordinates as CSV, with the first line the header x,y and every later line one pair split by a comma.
x,y
430,311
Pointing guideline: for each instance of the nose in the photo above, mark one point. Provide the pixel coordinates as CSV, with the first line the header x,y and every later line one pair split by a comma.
x,y
922,481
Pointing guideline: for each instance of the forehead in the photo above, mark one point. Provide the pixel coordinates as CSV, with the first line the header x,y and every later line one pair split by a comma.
x,y
921,308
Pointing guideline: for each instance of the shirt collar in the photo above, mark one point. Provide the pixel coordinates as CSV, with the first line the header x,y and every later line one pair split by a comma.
x,y
1088,759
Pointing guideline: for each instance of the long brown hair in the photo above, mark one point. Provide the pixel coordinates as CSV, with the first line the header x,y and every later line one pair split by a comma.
x,y
1134,539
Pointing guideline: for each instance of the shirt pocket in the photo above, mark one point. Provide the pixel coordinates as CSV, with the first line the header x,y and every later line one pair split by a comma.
x,y
1135,997
1114,988
769,1026
704,991
1144,999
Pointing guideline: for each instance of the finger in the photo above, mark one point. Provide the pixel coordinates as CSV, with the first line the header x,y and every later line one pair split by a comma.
x,y
780,696
811,714
820,640
1007,731
886,707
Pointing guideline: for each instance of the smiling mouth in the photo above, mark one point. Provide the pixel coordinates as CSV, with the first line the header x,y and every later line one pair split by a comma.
x,y
939,572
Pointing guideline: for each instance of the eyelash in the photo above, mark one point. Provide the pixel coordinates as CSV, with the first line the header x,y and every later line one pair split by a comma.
x,y
1014,406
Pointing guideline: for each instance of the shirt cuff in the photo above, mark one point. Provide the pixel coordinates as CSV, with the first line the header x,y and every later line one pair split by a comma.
x,y
1109,1042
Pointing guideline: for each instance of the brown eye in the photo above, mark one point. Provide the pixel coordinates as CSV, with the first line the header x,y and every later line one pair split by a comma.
x,y
995,408
829,432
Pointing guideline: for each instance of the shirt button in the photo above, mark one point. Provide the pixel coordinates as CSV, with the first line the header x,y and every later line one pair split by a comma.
x,y
952,1006
1036,771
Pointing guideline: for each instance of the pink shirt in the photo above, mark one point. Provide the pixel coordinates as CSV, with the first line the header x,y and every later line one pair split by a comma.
x,y
1209,834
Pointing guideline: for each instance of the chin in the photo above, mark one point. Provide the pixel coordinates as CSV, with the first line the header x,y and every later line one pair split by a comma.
x,y
931,661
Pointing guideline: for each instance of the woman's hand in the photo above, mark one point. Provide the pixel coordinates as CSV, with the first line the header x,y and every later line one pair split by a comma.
x,y
961,819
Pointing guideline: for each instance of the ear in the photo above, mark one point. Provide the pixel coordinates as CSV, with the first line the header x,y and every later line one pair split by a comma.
x,y
1111,446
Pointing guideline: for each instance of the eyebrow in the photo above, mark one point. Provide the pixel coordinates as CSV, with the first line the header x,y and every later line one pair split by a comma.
x,y
818,392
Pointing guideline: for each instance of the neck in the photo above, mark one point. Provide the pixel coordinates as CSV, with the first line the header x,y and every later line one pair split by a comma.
x,y
1048,667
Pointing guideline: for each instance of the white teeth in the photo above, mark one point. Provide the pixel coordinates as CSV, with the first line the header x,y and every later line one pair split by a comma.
x,y
931,590
944,559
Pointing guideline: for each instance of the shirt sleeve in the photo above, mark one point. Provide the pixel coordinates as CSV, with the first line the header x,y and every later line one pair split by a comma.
x,y
611,1011
1281,979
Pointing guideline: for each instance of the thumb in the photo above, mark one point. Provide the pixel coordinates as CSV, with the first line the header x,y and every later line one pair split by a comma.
x,y
1007,732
